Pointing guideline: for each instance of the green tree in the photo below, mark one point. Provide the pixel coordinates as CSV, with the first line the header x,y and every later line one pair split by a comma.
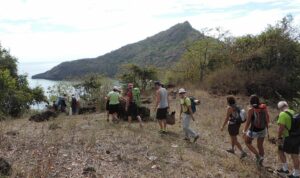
x,y
15,94
139,76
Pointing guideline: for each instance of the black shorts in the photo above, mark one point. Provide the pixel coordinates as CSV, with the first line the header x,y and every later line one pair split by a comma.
x,y
114,108
291,145
133,110
234,129
107,105
161,113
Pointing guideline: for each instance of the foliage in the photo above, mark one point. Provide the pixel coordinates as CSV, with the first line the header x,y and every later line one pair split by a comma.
x,y
93,89
139,76
15,94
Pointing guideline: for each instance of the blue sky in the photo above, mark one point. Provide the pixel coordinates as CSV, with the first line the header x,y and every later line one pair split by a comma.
x,y
62,30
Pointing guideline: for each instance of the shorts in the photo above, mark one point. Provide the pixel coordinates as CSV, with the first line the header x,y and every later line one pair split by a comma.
x,y
161,113
234,129
260,134
133,110
291,145
114,108
107,105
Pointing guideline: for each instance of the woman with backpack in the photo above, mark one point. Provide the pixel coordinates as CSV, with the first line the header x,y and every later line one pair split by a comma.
x,y
234,124
256,128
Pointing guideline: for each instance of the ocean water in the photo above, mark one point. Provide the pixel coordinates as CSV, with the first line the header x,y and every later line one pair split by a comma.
x,y
31,69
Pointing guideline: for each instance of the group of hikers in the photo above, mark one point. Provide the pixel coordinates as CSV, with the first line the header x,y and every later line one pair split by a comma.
x,y
256,121
256,126
61,104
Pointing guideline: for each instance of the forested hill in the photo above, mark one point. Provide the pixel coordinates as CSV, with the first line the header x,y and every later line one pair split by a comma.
x,y
160,50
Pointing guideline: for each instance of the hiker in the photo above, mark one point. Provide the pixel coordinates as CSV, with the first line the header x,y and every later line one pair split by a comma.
x,y
132,104
161,106
74,105
186,114
256,127
287,142
114,103
232,120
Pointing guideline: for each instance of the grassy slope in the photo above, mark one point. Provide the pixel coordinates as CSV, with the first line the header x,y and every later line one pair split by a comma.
x,y
84,141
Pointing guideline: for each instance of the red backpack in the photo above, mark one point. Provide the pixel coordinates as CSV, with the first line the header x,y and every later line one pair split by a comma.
x,y
260,117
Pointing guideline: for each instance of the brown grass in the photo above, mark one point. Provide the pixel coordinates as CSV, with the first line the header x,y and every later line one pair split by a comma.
x,y
115,150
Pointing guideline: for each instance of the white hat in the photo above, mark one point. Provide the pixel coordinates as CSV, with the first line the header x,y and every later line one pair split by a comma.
x,y
282,104
116,88
181,90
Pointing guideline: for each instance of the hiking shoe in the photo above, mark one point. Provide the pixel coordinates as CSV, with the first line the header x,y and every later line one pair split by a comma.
x,y
187,139
243,155
281,171
196,138
292,176
259,160
230,151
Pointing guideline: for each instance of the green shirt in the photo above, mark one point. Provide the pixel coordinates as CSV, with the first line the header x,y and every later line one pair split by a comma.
x,y
113,97
185,103
286,120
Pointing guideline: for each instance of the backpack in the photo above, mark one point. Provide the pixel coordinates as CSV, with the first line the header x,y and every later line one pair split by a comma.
x,y
193,104
240,116
260,117
136,96
295,127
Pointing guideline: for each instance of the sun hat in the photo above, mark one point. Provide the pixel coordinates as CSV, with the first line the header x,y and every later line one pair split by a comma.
x,y
181,90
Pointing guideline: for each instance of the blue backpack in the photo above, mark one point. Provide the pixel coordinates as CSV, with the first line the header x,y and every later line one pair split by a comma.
x,y
295,128
193,104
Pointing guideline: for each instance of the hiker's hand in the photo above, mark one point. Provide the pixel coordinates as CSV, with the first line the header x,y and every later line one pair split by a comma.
x,y
222,128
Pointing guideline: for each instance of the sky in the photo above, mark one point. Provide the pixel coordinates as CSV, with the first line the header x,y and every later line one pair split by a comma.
x,y
63,30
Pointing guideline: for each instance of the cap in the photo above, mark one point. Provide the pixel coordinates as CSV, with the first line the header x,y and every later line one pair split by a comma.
x,y
181,90
282,104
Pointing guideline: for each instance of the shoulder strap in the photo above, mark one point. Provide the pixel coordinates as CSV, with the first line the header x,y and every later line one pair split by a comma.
x,y
288,113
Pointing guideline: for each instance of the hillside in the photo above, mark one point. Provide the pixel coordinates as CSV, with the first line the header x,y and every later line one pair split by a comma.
x,y
160,50
114,150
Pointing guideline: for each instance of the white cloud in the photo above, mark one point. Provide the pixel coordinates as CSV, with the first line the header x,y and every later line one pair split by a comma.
x,y
88,28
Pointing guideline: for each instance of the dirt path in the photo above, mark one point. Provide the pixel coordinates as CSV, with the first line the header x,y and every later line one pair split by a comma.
x,y
118,151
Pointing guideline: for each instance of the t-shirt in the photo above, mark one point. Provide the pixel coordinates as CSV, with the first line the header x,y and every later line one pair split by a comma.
x,y
113,97
130,96
286,120
163,98
185,103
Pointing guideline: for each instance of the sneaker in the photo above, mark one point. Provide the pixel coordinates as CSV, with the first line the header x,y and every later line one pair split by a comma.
x,y
281,171
292,176
196,138
259,160
230,151
243,155
187,139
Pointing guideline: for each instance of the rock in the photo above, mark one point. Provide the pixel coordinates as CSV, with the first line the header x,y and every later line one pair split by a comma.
x,y
5,168
84,110
89,171
107,152
44,116
54,126
12,133
152,158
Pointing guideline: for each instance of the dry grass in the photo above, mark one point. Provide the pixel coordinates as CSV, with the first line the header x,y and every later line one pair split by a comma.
x,y
118,151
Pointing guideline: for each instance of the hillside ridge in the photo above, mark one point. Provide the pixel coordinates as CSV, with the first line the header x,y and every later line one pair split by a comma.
x,y
160,50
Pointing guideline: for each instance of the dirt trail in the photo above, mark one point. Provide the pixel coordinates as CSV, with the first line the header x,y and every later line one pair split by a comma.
x,y
67,145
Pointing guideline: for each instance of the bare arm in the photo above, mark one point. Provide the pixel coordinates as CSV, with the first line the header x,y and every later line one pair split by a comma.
x,y
281,129
229,111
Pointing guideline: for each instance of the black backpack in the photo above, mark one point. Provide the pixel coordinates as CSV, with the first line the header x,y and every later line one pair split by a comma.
x,y
295,127
239,115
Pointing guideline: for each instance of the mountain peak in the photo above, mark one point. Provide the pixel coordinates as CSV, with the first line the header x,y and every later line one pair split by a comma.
x,y
160,50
